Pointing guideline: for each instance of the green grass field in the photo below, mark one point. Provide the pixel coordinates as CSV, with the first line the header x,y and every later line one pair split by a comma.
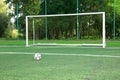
x,y
60,63
112,43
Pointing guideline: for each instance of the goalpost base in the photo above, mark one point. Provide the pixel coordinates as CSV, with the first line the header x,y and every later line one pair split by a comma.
x,y
55,44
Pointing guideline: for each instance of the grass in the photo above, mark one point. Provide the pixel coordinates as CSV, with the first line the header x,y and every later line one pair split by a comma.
x,y
114,43
21,65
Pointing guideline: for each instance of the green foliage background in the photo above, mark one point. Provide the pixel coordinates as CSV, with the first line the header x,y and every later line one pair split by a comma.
x,y
37,7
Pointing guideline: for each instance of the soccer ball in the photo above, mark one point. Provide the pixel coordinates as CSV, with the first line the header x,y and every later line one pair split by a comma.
x,y
37,56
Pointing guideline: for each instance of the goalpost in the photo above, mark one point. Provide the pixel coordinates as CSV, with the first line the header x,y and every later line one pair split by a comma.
x,y
103,41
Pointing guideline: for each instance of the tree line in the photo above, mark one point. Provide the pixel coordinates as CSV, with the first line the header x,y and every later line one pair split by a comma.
x,y
65,27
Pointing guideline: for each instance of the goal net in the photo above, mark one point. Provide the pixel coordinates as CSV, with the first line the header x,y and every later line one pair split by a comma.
x,y
79,29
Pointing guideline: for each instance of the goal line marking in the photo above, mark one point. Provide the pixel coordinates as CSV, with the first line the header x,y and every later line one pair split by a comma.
x,y
65,54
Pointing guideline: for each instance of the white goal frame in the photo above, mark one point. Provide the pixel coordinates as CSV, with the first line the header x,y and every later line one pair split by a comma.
x,y
103,44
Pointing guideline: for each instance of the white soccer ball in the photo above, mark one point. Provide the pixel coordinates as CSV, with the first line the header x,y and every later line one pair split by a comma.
x,y
37,56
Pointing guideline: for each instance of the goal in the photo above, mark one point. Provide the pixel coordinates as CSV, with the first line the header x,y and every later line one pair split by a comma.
x,y
88,29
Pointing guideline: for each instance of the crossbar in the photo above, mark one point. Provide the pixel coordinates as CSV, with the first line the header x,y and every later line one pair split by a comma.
x,y
55,15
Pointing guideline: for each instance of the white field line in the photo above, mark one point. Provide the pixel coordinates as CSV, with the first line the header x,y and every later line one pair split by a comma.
x,y
61,54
